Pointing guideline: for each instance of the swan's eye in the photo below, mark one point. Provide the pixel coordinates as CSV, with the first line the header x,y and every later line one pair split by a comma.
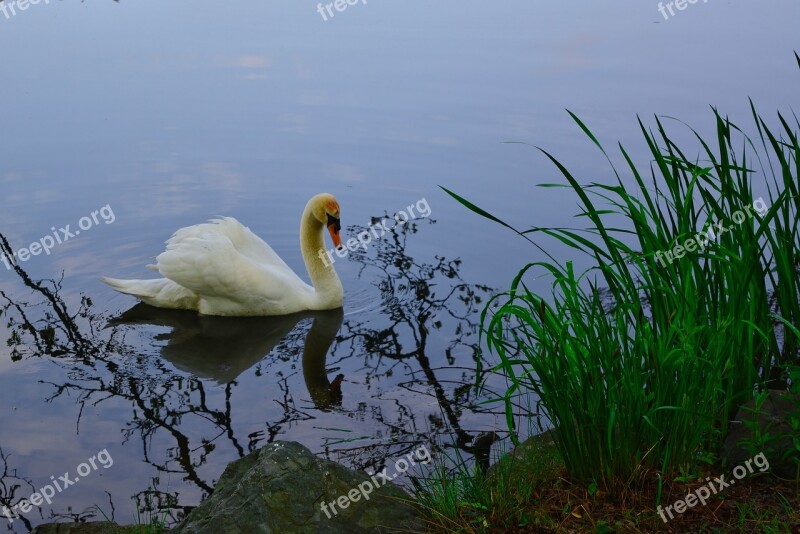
x,y
333,221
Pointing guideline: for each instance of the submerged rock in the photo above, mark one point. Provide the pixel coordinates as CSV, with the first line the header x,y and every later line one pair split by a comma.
x,y
779,416
282,488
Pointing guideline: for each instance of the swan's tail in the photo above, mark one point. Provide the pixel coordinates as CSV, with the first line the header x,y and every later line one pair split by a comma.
x,y
162,293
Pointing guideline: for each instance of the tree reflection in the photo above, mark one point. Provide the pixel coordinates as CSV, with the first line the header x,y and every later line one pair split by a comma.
x,y
13,488
418,302
189,388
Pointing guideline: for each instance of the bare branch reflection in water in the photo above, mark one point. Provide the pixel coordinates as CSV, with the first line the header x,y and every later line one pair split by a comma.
x,y
56,318
419,302
13,490
419,341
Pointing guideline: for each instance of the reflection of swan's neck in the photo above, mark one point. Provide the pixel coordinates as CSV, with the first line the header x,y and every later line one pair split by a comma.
x,y
329,292
315,351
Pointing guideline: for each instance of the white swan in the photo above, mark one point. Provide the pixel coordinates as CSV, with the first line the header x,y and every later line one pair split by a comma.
x,y
222,268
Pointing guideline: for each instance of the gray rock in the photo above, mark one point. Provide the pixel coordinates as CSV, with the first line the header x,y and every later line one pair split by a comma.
x,y
280,489
774,418
528,450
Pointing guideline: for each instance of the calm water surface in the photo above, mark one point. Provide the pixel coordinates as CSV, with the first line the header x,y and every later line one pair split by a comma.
x,y
170,113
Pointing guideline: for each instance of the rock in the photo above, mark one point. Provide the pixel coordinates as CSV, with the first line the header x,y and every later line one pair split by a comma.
x,y
280,488
534,444
528,451
775,418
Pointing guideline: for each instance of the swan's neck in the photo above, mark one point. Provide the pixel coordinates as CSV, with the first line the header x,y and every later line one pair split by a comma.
x,y
328,292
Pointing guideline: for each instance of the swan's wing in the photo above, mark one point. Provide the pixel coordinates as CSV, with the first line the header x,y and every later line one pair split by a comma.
x,y
210,265
243,239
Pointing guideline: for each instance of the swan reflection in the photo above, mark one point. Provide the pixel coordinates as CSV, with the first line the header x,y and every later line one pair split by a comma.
x,y
222,348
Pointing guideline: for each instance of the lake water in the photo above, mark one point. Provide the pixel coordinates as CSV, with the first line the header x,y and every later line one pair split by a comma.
x,y
170,113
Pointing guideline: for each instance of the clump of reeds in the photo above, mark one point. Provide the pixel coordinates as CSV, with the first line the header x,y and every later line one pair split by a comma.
x,y
647,376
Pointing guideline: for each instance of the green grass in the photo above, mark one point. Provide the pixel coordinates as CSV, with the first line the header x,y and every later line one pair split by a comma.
x,y
527,492
466,500
151,520
639,362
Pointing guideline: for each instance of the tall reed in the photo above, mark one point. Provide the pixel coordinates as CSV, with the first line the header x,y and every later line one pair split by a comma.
x,y
648,375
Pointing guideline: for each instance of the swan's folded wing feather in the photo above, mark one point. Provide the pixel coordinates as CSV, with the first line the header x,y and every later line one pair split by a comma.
x,y
210,265
243,239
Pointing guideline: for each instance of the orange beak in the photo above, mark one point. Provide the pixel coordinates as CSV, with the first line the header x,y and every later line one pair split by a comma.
x,y
334,227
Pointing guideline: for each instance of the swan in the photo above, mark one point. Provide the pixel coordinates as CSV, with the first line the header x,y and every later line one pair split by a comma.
x,y
222,268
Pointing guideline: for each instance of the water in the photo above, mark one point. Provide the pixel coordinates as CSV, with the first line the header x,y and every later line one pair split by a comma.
x,y
169,113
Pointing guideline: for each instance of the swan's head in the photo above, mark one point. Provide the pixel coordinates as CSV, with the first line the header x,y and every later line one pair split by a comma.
x,y
325,209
